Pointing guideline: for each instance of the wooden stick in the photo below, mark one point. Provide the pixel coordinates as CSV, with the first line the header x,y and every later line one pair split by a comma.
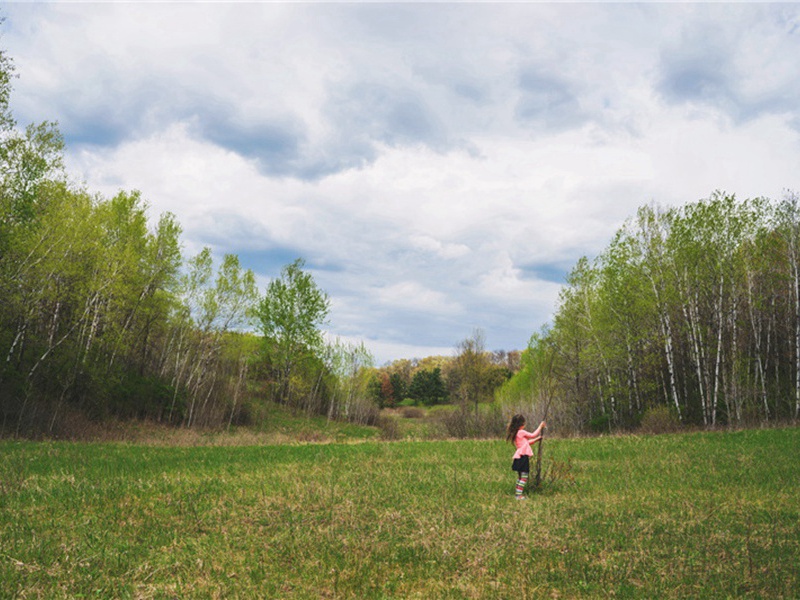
x,y
548,400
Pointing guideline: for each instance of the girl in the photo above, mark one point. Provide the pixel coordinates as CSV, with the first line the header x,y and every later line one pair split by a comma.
x,y
522,441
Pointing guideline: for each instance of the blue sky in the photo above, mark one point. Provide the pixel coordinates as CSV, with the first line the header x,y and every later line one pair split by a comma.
x,y
440,167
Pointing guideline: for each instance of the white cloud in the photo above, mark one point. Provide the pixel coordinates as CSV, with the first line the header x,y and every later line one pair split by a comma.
x,y
412,295
444,250
384,352
440,167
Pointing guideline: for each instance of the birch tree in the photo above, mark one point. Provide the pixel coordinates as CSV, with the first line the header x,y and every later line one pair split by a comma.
x,y
787,222
290,316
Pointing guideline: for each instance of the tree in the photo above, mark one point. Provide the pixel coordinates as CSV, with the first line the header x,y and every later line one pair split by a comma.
x,y
28,160
693,309
208,313
428,387
351,367
470,374
788,226
397,387
96,318
289,317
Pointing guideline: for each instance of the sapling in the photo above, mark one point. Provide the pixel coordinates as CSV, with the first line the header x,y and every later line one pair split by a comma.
x,y
545,388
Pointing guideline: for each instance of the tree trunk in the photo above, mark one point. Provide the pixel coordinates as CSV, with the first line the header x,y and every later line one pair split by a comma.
x,y
719,354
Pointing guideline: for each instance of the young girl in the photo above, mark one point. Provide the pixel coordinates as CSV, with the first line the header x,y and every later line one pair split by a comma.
x,y
522,441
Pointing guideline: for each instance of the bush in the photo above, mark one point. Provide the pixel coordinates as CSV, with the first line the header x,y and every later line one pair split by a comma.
x,y
465,423
242,415
600,424
660,419
362,411
135,396
389,428
412,412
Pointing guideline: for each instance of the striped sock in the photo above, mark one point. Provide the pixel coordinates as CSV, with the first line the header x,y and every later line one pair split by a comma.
x,y
523,479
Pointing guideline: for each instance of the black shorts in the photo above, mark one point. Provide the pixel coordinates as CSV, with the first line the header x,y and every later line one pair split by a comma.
x,y
521,465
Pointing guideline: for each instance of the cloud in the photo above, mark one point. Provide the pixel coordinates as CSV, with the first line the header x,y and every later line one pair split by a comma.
x,y
548,101
742,64
443,250
413,296
381,348
274,144
440,167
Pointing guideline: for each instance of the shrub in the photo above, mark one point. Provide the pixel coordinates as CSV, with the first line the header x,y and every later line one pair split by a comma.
x,y
362,411
660,419
242,415
412,412
465,423
389,428
600,424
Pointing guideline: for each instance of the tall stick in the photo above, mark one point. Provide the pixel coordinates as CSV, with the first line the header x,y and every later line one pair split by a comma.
x,y
546,385
538,478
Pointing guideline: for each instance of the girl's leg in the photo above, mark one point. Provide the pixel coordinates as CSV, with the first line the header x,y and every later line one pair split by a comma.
x,y
523,479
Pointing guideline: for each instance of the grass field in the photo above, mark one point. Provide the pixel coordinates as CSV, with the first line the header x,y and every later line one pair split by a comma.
x,y
705,515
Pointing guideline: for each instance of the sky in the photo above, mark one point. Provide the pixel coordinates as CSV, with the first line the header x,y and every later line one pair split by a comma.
x,y
440,167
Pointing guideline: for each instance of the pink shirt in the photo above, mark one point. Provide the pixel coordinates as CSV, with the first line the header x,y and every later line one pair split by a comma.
x,y
521,441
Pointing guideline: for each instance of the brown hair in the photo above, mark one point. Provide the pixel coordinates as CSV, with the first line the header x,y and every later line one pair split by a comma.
x,y
516,423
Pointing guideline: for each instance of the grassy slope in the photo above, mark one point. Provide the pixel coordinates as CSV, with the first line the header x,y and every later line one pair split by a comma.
x,y
276,425
692,515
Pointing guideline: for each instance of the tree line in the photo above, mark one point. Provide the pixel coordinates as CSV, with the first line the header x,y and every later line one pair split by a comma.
x,y
467,378
690,315
103,316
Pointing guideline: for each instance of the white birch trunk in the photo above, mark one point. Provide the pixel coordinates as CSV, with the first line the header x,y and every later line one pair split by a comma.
x,y
719,353
237,390
694,334
666,331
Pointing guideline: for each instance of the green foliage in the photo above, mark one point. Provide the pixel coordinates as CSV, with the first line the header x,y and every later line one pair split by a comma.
x,y
534,375
293,309
289,317
466,422
398,388
375,387
102,316
140,397
600,424
97,317
351,368
471,376
29,160
693,308
691,313
427,387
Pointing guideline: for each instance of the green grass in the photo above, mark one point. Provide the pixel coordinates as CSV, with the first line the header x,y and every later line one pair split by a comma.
x,y
706,515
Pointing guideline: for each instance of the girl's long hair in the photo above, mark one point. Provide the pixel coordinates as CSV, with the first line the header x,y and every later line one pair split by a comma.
x,y
514,425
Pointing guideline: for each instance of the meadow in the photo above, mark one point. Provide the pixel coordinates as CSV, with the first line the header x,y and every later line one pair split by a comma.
x,y
693,515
